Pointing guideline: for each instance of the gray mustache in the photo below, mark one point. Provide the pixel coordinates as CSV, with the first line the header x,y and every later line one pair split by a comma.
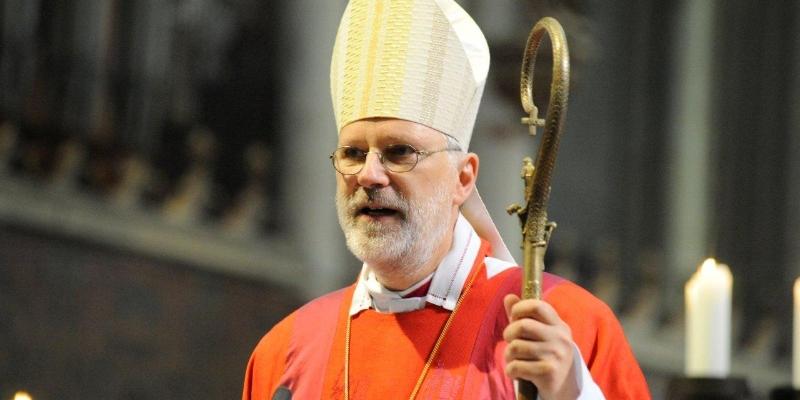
x,y
382,197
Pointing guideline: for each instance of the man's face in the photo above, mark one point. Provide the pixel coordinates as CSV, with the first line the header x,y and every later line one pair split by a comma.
x,y
389,217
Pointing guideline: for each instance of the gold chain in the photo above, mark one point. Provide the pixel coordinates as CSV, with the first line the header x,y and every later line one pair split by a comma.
x,y
431,356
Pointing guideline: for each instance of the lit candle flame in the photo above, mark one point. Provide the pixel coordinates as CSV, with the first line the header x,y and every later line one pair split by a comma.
x,y
22,395
708,266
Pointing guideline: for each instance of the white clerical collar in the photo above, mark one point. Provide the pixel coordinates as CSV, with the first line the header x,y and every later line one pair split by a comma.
x,y
447,280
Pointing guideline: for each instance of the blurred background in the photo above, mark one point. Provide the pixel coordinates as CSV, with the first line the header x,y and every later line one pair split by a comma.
x,y
166,196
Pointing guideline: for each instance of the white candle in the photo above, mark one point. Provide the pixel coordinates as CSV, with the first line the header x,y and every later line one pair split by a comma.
x,y
708,321
796,341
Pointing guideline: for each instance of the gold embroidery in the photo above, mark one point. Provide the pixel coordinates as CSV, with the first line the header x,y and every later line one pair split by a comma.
x,y
392,65
435,68
352,59
369,76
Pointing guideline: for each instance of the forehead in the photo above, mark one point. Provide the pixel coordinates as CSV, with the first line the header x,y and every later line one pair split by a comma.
x,y
377,131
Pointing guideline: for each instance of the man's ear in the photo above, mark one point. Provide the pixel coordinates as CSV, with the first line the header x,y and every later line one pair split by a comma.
x,y
467,176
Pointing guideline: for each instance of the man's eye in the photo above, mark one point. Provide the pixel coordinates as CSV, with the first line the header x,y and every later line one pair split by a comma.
x,y
399,150
352,153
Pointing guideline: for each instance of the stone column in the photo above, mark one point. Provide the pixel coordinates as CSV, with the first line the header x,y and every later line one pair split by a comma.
x,y
311,135
88,79
17,52
689,157
792,204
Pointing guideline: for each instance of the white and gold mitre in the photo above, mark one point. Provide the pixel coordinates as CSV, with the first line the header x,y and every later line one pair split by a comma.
x,y
424,61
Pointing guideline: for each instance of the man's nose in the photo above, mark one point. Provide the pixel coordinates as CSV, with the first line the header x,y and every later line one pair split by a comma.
x,y
374,173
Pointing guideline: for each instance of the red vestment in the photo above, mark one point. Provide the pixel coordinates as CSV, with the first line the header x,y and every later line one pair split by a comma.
x,y
305,351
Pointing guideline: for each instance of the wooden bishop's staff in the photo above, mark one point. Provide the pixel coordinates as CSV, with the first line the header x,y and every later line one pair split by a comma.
x,y
536,229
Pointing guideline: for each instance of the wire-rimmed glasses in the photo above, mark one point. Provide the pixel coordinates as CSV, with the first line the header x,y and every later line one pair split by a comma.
x,y
350,160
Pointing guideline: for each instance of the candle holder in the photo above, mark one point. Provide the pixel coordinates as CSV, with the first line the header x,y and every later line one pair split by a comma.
x,y
784,393
685,388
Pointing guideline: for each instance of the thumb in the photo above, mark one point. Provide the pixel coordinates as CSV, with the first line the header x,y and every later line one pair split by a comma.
x,y
509,302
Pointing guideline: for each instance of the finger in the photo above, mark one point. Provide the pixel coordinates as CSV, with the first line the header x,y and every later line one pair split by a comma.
x,y
539,310
508,302
526,350
547,378
533,371
527,329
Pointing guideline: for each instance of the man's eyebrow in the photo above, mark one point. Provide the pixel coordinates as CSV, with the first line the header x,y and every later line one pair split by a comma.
x,y
397,138
393,139
385,138
352,143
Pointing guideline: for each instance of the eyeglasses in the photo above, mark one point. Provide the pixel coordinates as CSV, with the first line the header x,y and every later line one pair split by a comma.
x,y
349,160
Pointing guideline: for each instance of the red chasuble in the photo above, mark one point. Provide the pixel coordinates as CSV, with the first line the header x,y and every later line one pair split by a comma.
x,y
305,351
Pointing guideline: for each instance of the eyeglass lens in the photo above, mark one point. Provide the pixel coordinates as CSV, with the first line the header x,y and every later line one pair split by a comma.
x,y
396,158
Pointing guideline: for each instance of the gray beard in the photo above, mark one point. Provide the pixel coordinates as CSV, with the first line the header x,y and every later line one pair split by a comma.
x,y
397,249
